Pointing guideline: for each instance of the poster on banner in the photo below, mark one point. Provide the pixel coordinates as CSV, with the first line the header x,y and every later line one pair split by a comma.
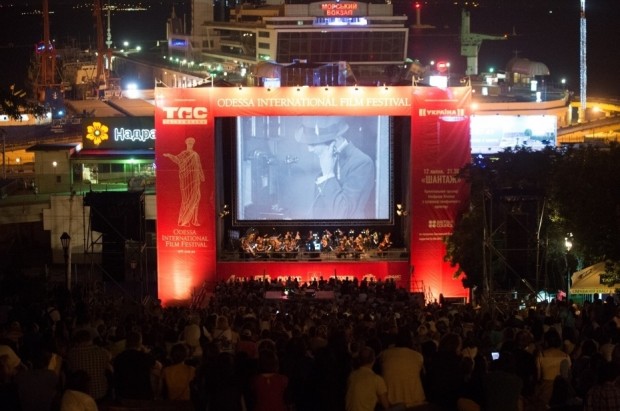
x,y
440,148
185,201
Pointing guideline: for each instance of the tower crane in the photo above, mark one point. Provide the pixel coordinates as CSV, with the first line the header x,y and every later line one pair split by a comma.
x,y
471,42
46,58
102,72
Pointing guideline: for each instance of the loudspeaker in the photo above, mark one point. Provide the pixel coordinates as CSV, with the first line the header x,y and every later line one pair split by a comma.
x,y
121,213
113,257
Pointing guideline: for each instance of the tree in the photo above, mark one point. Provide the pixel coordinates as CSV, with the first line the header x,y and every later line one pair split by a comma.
x,y
13,103
511,184
586,192
579,195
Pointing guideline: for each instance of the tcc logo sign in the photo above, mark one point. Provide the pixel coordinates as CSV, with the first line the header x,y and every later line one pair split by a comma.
x,y
185,115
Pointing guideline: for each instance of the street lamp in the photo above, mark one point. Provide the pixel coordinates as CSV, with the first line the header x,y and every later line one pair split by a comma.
x,y
134,264
65,240
568,244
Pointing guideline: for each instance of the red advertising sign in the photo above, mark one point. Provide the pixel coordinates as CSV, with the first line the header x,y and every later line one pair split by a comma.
x,y
184,153
440,147
339,9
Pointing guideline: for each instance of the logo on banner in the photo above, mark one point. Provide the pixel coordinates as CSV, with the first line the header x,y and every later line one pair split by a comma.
x,y
97,132
424,112
185,115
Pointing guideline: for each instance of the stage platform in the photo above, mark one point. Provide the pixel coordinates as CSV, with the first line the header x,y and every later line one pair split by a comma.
x,y
309,268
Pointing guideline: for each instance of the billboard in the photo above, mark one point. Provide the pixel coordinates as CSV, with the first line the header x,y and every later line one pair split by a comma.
x,y
440,148
492,134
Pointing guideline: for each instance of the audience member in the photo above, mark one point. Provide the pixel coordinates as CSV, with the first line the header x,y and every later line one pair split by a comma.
x,y
401,368
176,378
605,394
445,378
76,397
93,359
8,389
551,363
502,385
133,370
366,389
269,387
38,387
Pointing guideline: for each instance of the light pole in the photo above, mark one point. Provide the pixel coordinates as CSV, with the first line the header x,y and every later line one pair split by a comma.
x,y
568,243
65,240
134,264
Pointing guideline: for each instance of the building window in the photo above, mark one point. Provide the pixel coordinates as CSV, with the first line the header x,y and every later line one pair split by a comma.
x,y
357,46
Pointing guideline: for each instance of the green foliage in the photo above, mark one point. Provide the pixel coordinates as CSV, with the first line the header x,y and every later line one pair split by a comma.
x,y
577,192
13,103
586,194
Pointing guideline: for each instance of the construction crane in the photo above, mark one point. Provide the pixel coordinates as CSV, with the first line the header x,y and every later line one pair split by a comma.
x,y
471,42
46,58
102,72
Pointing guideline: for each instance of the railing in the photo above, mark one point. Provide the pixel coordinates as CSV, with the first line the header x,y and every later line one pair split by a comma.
x,y
394,254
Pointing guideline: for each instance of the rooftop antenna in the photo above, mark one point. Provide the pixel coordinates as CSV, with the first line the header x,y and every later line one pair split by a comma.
x,y
583,69
108,41
418,18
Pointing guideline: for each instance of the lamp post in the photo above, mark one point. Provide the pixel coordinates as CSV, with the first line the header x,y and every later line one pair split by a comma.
x,y
65,240
568,243
134,264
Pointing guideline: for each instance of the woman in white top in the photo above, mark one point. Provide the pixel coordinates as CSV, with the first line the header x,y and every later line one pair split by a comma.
x,y
551,363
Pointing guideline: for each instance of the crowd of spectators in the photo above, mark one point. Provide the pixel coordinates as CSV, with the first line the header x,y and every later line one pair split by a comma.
x,y
371,345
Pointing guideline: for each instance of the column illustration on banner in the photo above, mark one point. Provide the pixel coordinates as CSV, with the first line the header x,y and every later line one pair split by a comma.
x,y
191,175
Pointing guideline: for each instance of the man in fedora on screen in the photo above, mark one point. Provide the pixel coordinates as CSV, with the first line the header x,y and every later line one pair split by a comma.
x,y
347,180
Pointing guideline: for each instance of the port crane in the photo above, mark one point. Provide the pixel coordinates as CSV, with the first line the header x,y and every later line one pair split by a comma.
x,y
471,42
47,58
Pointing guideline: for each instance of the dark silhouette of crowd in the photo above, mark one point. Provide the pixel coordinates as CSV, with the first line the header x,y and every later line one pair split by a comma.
x,y
368,345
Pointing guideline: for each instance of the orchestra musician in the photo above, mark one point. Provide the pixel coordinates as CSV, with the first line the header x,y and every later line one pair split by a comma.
x,y
385,244
326,241
287,244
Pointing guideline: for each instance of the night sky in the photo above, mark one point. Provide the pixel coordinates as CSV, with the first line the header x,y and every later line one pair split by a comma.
x,y
546,31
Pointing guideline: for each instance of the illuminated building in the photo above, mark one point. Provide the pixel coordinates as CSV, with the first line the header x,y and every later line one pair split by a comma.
x,y
365,35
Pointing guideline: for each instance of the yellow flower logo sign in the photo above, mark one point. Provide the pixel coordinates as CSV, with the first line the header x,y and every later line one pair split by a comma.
x,y
97,132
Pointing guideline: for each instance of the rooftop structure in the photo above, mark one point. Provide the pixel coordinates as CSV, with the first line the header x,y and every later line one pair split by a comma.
x,y
367,36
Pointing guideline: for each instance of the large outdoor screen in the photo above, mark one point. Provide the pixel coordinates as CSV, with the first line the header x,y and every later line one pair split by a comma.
x,y
313,168
491,134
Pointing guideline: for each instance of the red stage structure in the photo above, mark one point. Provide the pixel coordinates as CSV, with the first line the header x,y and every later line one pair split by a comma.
x,y
186,159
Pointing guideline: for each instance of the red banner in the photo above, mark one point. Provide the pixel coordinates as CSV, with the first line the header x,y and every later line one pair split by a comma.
x,y
184,154
440,147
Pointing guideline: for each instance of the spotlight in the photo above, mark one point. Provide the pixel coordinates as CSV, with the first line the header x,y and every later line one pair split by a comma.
x,y
225,211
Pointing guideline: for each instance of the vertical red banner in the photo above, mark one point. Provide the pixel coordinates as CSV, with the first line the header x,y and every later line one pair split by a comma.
x,y
440,147
184,159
